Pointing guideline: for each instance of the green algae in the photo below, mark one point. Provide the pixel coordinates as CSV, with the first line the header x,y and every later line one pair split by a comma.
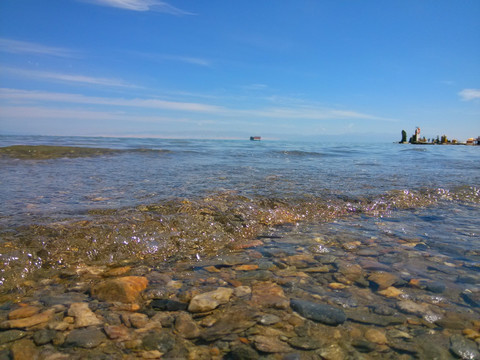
x,y
45,152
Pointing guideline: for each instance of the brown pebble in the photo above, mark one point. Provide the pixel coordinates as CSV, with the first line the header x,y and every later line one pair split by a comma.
x,y
23,312
246,267
125,289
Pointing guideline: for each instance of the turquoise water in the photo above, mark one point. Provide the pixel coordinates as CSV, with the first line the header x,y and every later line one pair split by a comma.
x,y
193,168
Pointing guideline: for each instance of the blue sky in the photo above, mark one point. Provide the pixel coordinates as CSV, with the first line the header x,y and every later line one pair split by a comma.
x,y
281,69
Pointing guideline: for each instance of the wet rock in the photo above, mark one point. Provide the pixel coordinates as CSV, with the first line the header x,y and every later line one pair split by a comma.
x,y
136,320
210,300
23,312
391,292
452,321
372,319
363,346
376,336
83,315
436,287
242,352
125,289
24,350
383,310
168,305
63,299
269,294
305,343
323,313
350,273
117,332
270,344
44,336
241,291
87,338
382,280
410,307
269,319
235,320
163,342
186,327
37,319
464,348
11,335
471,298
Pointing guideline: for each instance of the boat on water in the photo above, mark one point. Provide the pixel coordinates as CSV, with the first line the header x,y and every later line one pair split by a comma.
x,y
255,138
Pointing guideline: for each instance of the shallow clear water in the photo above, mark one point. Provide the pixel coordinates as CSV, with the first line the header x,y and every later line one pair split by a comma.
x,y
193,168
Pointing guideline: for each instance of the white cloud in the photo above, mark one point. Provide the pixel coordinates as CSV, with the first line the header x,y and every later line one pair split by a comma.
x,y
24,47
141,5
29,96
69,78
469,94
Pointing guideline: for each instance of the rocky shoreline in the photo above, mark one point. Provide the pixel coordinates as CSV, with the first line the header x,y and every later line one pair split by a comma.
x,y
274,297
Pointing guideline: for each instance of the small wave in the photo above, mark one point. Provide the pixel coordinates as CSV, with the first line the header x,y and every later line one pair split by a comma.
x,y
300,153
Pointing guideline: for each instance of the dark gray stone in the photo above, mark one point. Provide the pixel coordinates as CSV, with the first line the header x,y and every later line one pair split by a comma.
x,y
363,346
242,352
163,342
323,313
11,335
168,305
305,343
87,338
44,336
463,348
472,298
372,319
63,299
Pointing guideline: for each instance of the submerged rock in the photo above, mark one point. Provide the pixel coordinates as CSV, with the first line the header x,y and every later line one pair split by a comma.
x,y
83,315
464,348
125,289
210,300
323,313
87,338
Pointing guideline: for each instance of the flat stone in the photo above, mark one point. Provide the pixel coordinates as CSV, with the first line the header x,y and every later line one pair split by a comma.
x,y
464,348
63,299
391,292
235,320
186,327
270,344
410,307
24,349
87,338
83,315
23,312
210,300
323,313
125,289
372,319
305,343
242,352
376,336
382,279
117,332
241,291
163,342
269,294
168,305
11,335
269,319
363,346
44,336
37,319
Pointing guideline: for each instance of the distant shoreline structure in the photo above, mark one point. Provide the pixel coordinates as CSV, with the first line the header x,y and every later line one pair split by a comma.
x,y
443,140
255,138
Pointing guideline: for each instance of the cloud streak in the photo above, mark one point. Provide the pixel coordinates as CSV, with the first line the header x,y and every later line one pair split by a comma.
x,y
24,47
141,5
469,94
69,78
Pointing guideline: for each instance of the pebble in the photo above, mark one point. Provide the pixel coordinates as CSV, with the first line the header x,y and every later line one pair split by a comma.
x,y
270,344
210,300
87,338
11,335
83,315
269,294
23,312
323,313
464,348
125,289
29,321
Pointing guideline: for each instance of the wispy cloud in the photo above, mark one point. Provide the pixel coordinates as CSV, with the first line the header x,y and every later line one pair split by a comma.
x,y
27,95
24,47
69,78
178,58
469,94
141,5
